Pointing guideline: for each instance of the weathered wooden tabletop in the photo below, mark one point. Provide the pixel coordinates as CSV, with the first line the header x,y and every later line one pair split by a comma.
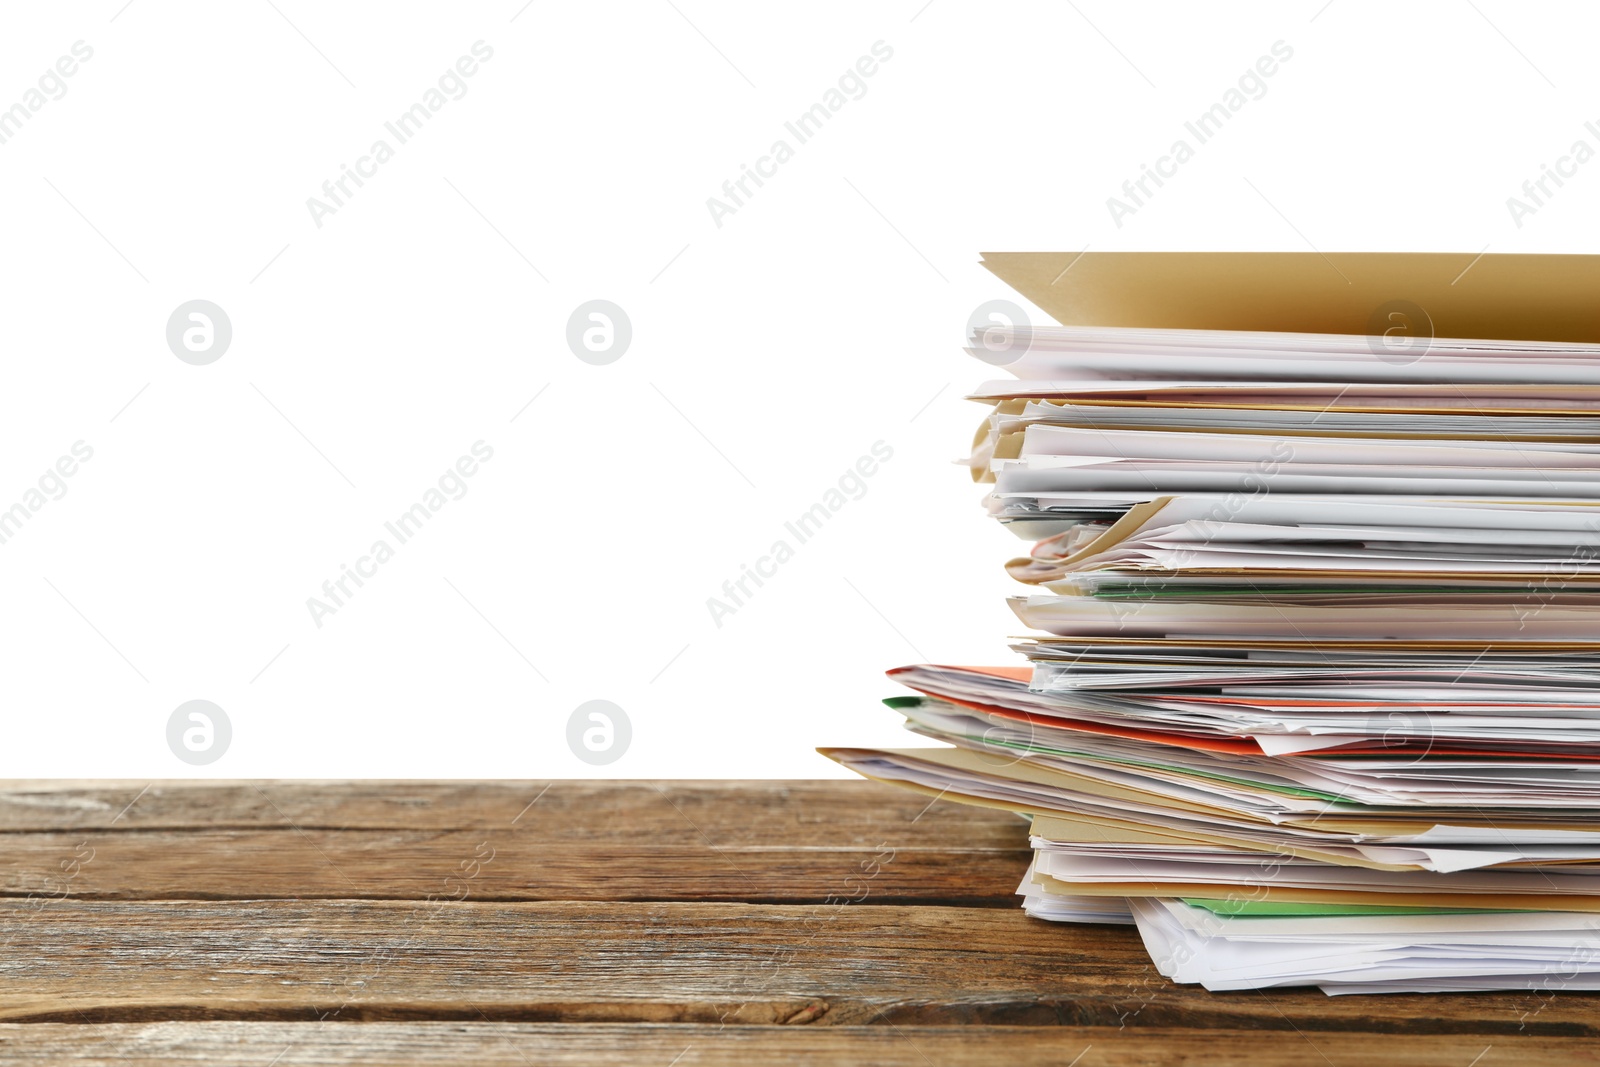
x,y
671,923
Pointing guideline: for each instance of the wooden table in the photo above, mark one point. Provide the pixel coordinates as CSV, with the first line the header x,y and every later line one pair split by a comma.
x,y
671,923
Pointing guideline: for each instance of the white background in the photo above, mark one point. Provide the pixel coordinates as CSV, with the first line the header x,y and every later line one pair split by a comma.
x,y
768,354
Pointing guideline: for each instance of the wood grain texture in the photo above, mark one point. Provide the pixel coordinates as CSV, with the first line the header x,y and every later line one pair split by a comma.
x,y
733,812
777,842
83,961
376,864
557,1045
828,922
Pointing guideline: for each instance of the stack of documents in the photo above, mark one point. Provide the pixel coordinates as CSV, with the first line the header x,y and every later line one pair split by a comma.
x,y
1314,697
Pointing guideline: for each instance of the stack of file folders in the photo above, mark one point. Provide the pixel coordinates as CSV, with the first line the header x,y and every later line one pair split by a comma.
x,y
1314,692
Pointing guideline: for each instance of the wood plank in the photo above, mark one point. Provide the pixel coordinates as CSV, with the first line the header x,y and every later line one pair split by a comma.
x,y
504,865
845,811
759,841
82,961
521,1044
